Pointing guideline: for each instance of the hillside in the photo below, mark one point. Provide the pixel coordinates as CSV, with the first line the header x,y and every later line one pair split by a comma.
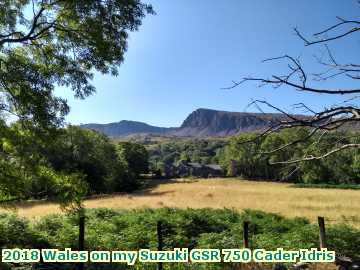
x,y
200,123
126,128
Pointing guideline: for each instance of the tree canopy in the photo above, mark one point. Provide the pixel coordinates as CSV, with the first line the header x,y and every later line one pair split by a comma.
x,y
46,44
257,159
51,43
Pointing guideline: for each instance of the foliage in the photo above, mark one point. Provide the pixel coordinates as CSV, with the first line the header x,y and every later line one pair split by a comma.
x,y
245,156
75,163
201,228
107,167
135,155
27,173
256,158
49,44
172,152
89,153
252,158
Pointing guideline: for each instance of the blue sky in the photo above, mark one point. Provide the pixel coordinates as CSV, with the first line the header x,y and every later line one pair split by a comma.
x,y
181,58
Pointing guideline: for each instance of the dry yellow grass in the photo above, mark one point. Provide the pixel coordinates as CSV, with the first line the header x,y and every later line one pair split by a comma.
x,y
336,205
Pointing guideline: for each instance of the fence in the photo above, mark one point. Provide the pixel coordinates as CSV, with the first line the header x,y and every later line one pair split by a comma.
x,y
321,222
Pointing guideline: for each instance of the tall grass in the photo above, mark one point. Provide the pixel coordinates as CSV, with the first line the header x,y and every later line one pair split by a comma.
x,y
337,205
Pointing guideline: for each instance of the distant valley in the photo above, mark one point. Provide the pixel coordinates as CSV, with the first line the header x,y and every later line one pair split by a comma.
x,y
200,123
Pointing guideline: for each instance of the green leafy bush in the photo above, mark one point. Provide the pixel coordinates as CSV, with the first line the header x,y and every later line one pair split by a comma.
x,y
193,228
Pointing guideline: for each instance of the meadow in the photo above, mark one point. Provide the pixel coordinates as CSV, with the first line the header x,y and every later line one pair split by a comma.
x,y
336,205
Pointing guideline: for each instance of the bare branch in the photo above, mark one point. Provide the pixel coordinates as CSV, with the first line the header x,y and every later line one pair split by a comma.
x,y
319,123
339,36
295,142
309,158
276,80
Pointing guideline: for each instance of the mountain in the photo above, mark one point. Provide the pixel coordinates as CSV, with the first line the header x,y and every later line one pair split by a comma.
x,y
200,123
126,128
207,123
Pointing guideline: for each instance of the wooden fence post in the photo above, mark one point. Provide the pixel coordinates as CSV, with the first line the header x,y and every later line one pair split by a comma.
x,y
322,234
160,241
246,234
81,238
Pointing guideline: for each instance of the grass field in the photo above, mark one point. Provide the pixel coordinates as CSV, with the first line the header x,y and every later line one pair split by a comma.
x,y
338,206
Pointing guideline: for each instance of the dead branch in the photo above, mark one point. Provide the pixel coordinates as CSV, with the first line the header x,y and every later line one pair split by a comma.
x,y
309,158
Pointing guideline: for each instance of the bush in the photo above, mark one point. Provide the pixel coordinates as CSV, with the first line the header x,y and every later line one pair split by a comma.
x,y
193,228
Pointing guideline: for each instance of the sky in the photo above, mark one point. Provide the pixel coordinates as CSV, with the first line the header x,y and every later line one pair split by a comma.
x,y
181,58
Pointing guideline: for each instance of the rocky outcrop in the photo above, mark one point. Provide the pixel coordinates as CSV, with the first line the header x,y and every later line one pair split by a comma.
x,y
205,123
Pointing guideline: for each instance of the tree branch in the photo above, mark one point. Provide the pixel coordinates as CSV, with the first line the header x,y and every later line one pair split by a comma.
x,y
309,158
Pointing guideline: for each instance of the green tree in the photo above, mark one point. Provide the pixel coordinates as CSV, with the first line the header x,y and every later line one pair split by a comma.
x,y
246,155
51,43
87,152
135,155
46,44
27,173
256,158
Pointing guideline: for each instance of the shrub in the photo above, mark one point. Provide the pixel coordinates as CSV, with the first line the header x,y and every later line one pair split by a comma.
x,y
193,228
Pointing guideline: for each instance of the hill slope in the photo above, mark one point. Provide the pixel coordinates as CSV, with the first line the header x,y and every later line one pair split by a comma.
x,y
200,123
125,128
